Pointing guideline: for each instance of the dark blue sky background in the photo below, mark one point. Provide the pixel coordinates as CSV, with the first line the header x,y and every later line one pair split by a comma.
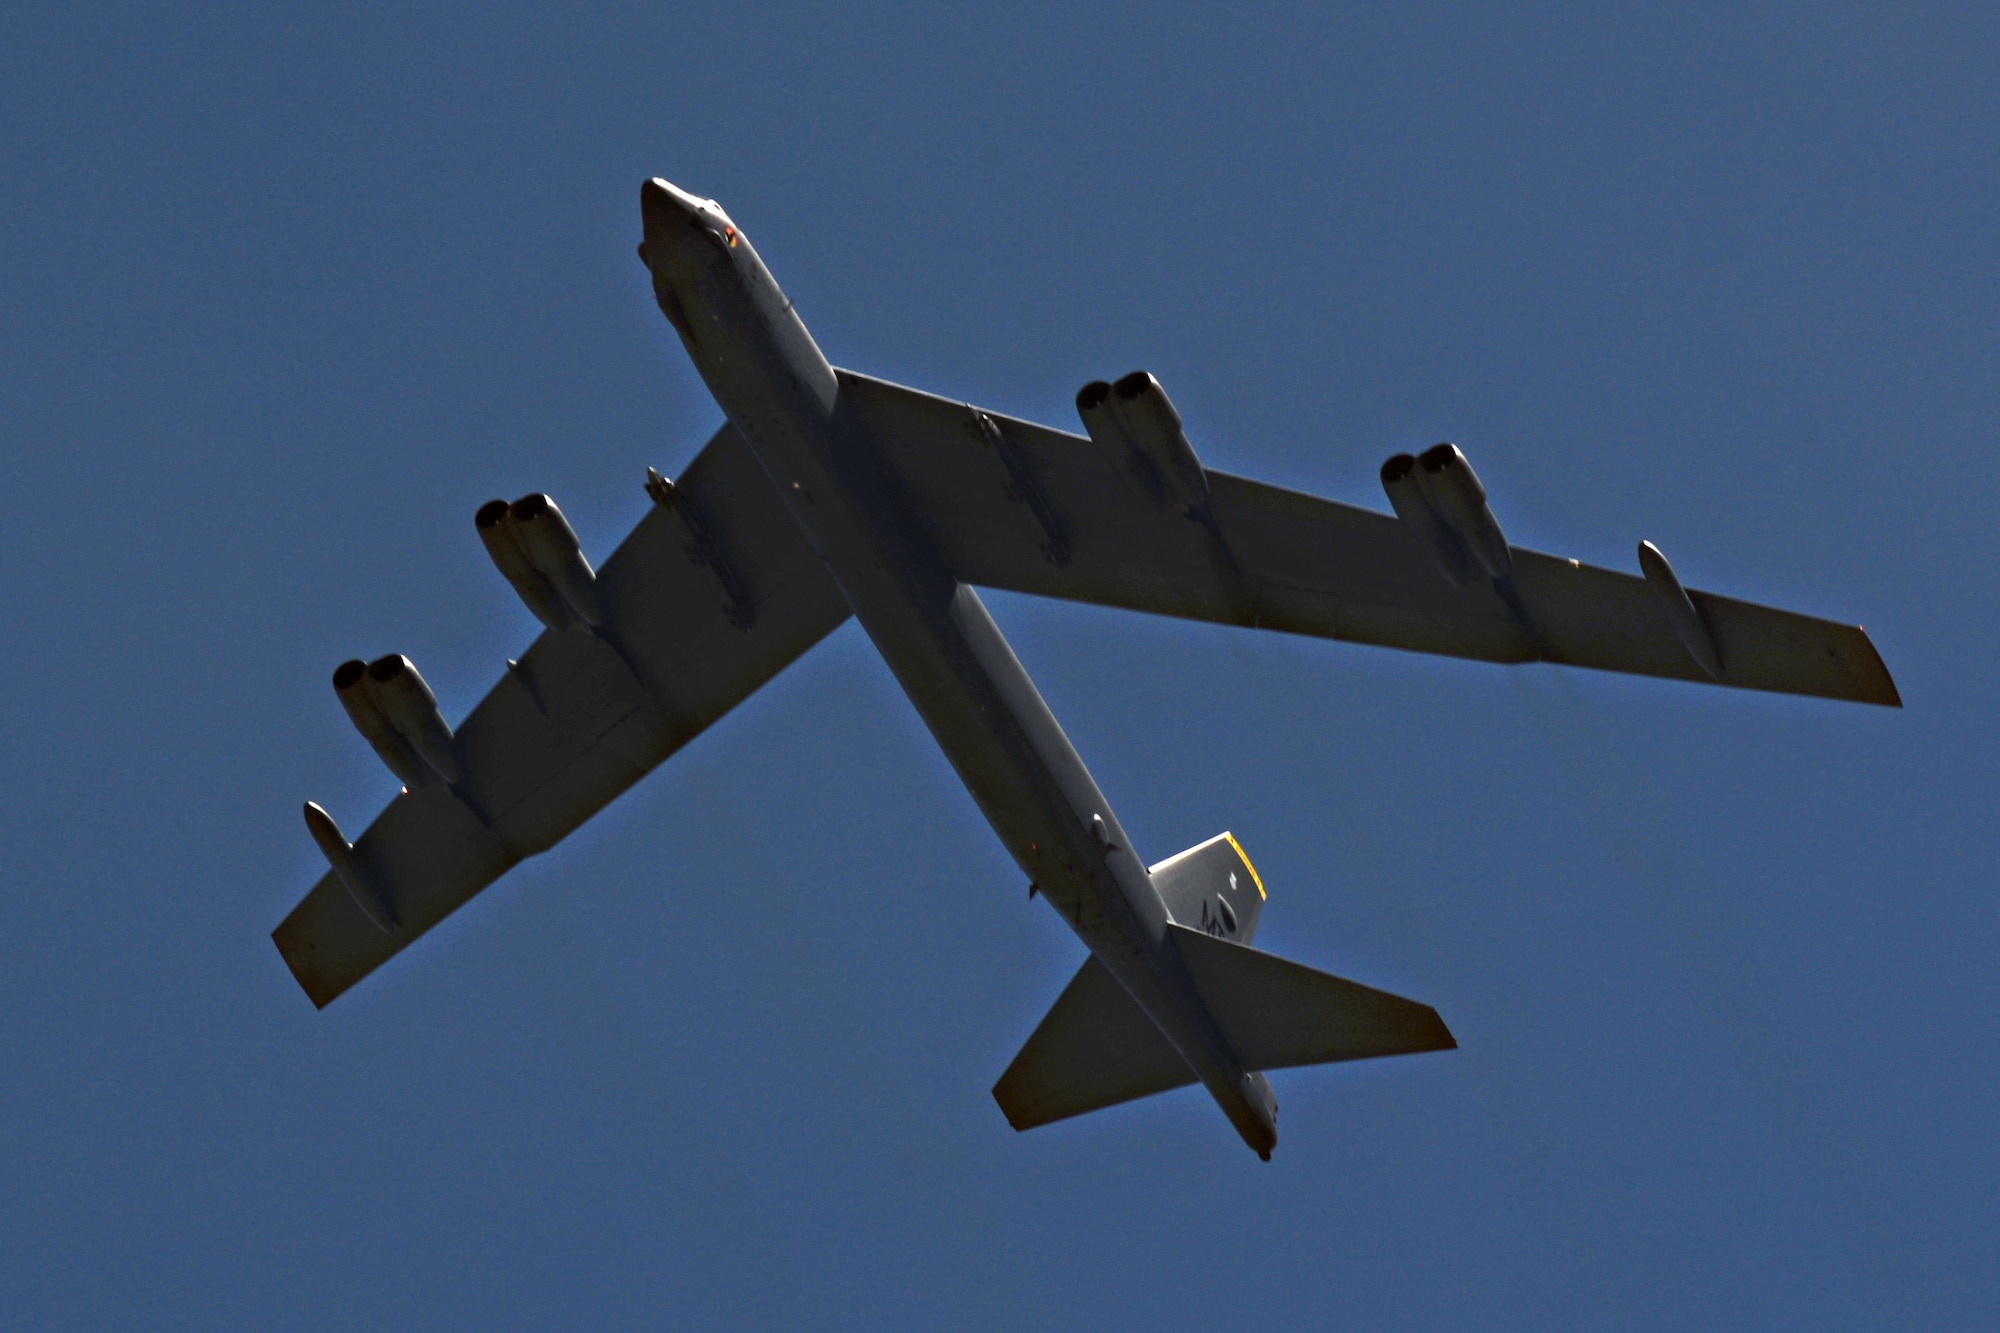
x,y
286,298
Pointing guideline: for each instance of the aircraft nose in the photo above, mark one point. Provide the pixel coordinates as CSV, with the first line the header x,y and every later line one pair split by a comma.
x,y
662,202
666,210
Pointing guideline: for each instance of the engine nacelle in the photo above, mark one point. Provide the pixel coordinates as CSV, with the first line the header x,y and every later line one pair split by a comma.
x,y
1413,506
535,549
397,714
551,546
495,521
1093,405
1138,430
413,710
357,696
1455,493
1152,424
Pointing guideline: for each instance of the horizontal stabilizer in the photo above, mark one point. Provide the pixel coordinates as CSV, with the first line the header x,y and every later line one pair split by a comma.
x,y
1096,1048
1277,1014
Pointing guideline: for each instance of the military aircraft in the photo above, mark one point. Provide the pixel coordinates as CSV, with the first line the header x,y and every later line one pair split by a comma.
x,y
828,494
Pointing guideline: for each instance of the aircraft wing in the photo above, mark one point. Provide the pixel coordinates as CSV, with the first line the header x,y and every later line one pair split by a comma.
x,y
712,594
1025,508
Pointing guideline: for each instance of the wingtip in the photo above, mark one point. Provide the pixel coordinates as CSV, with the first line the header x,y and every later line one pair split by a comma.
x,y
1446,1042
301,972
1017,1124
1889,696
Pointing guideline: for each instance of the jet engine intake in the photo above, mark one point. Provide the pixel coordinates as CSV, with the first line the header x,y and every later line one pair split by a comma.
x,y
552,546
1100,422
1152,424
350,683
536,550
1136,427
1413,506
495,521
1455,493
407,702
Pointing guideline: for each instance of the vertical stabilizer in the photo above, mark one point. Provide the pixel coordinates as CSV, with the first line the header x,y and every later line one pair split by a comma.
x,y
1212,888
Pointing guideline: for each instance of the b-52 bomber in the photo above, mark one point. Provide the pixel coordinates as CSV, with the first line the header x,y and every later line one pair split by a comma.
x,y
828,494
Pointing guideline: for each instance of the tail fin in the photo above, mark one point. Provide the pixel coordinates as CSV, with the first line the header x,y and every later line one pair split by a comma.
x,y
1212,887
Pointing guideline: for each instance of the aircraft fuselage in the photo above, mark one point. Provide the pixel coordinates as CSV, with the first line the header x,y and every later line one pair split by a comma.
x,y
770,379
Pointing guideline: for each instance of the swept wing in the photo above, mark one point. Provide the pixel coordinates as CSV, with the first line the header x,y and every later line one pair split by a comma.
x,y
712,594
716,591
1024,508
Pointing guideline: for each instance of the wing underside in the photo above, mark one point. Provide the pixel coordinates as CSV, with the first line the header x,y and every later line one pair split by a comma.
x,y
712,594
717,591
1024,508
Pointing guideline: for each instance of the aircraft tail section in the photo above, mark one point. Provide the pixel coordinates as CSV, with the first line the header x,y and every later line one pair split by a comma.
x,y
1097,1047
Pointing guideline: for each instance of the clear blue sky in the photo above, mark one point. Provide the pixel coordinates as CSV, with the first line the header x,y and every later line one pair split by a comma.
x,y
286,298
